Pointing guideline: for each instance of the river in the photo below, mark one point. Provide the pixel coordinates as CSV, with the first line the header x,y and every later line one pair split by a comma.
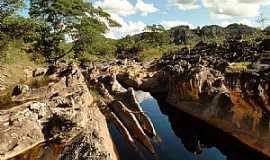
x,y
182,137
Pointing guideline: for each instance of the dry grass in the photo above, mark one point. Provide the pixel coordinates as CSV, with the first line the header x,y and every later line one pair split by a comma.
x,y
13,66
38,82
12,72
6,100
240,65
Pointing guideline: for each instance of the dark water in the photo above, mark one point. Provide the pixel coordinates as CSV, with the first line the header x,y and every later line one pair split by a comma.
x,y
181,137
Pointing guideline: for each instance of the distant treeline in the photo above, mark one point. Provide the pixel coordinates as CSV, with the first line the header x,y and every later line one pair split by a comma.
x,y
73,29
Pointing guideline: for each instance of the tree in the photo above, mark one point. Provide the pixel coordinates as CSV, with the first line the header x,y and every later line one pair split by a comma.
x,y
78,20
154,28
9,7
8,21
156,35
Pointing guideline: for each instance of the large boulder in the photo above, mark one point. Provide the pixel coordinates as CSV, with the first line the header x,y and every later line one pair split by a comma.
x,y
20,89
39,72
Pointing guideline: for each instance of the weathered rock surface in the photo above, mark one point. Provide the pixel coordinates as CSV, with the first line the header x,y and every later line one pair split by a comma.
x,y
120,104
39,72
62,111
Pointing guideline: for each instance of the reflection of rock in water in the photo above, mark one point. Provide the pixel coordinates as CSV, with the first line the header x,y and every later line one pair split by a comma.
x,y
196,135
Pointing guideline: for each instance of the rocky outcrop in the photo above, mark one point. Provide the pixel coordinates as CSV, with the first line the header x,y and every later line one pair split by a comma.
x,y
182,34
62,111
201,82
120,105
204,84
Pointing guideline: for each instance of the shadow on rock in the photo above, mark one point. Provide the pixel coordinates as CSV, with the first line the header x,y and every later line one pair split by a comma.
x,y
56,126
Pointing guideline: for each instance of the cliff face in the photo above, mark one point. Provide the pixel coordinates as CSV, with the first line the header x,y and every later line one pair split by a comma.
x,y
56,121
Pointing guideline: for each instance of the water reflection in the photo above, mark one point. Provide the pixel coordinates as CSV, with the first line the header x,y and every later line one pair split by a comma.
x,y
181,137
198,136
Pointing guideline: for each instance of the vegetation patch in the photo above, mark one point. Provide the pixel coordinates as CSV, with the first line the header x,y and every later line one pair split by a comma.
x,y
240,65
6,100
38,82
95,93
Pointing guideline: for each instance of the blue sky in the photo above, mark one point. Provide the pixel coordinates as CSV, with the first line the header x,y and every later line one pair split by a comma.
x,y
134,15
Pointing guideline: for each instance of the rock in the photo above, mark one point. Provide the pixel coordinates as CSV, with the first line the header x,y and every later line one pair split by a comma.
x,y
132,103
58,112
116,86
121,128
132,124
20,89
40,108
28,73
5,147
39,72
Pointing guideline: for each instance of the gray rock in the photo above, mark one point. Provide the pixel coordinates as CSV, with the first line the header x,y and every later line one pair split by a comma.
x,y
39,72
20,89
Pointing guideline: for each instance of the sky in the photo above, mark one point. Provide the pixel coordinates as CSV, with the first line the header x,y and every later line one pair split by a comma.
x,y
135,15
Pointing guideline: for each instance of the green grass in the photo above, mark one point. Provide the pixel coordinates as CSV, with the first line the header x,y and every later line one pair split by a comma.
x,y
95,93
153,53
93,57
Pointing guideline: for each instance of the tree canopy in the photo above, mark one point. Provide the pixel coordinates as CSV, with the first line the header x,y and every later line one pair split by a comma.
x,y
77,21
9,7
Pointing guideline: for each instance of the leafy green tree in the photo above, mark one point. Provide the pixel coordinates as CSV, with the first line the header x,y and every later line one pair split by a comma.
x,y
154,28
78,20
9,8
8,21
156,35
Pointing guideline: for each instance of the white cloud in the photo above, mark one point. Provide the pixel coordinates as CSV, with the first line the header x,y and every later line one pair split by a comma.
x,y
215,16
184,4
145,8
228,8
111,35
174,23
127,28
246,22
125,8
120,7
262,2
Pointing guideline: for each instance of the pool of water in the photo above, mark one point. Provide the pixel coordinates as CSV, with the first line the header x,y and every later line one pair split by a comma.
x,y
181,137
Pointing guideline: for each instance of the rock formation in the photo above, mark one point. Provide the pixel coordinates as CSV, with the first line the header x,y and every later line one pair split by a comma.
x,y
62,113
235,100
